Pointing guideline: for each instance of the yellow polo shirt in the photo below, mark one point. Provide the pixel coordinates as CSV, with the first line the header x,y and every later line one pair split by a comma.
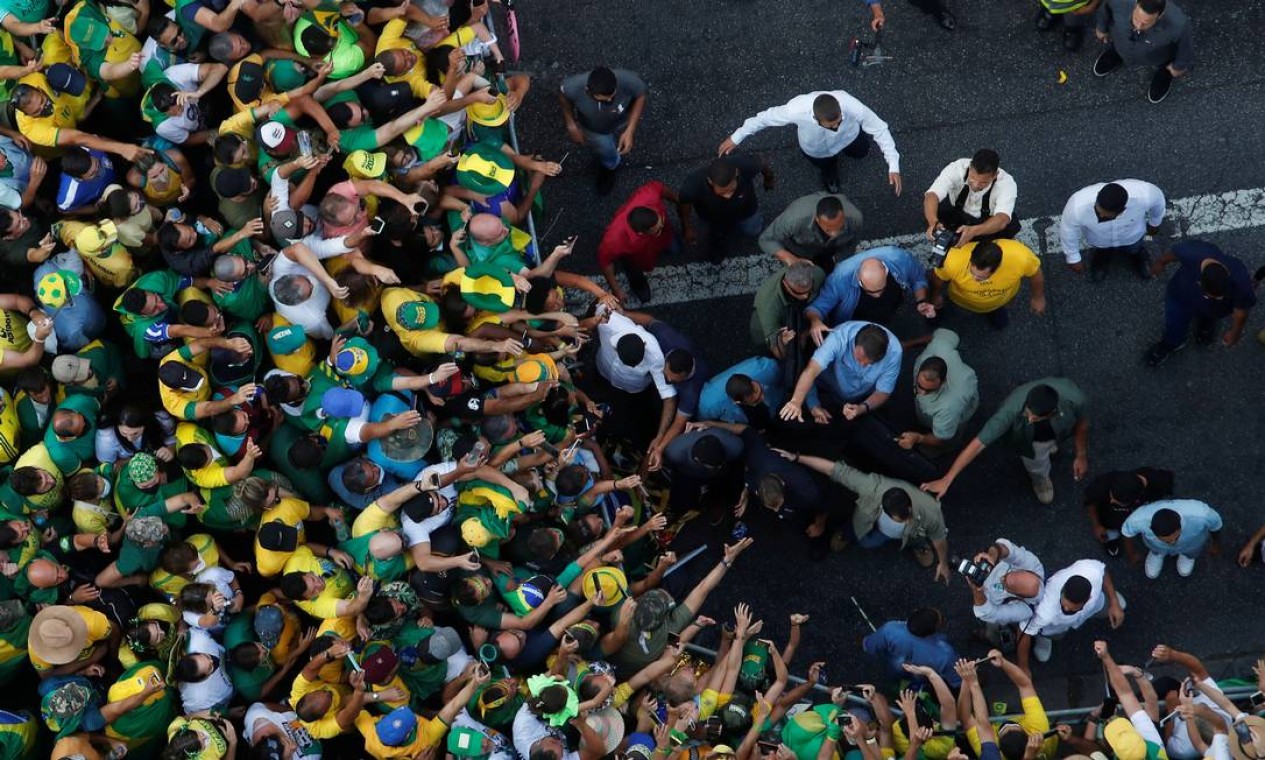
x,y
393,39
416,342
1017,262
179,403
67,112
338,583
211,476
428,734
292,512
326,726
373,519
98,630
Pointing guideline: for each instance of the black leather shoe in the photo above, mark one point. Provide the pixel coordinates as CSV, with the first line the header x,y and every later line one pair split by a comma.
x,y
1161,83
1099,266
605,180
1045,20
1108,61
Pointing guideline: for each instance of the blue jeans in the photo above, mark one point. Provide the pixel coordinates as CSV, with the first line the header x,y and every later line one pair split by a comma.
x,y
873,540
605,148
1180,312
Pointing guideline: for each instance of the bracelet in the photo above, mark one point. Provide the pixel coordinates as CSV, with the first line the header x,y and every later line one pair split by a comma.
x,y
866,404
430,378
726,563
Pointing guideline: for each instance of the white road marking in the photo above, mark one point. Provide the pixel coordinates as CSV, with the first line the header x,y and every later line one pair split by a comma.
x,y
1197,215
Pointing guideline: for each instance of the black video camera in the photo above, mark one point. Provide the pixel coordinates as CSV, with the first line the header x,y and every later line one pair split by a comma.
x,y
944,240
975,571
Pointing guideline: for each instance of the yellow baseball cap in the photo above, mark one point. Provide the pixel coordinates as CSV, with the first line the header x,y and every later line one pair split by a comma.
x,y
361,164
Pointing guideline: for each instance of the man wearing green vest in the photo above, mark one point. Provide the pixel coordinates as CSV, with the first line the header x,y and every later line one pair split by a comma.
x,y
1074,15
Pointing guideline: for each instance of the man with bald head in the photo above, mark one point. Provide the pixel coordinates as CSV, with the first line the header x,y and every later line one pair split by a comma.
x,y
1009,593
869,287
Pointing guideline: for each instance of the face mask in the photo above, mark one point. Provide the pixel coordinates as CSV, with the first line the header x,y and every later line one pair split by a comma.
x,y
106,487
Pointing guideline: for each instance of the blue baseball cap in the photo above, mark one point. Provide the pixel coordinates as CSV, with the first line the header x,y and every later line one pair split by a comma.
x,y
395,728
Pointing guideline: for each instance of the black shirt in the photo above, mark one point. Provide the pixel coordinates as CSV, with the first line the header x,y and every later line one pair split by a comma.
x,y
880,308
802,491
1159,485
720,211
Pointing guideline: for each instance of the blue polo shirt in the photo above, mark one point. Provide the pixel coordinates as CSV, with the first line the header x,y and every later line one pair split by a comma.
x,y
844,375
73,193
1198,520
895,645
690,389
1184,286
715,404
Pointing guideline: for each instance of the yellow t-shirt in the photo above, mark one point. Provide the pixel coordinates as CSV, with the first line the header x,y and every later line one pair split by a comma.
x,y
13,335
326,726
9,426
428,734
298,362
38,457
182,404
1017,262
211,476
1032,721
393,39
67,111
292,512
98,630
416,342
171,585
338,583
936,748
373,519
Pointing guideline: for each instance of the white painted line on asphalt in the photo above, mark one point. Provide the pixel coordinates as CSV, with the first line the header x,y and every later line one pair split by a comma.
x,y
701,281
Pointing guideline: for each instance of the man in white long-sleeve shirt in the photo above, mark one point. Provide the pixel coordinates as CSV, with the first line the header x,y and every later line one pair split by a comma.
x,y
1008,596
1111,218
827,124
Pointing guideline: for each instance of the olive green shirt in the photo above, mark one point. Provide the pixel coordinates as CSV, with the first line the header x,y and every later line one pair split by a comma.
x,y
772,305
926,524
1009,425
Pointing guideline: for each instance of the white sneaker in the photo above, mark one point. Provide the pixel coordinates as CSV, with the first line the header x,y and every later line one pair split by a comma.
x,y
1185,565
1154,564
1042,648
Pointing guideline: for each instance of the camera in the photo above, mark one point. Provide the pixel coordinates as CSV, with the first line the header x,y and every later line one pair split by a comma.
x,y
975,571
944,240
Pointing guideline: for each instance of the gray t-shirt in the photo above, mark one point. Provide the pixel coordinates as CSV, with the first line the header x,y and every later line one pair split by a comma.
x,y
606,118
1169,41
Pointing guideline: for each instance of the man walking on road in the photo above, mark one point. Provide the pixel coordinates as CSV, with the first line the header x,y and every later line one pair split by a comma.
x,y
601,110
1207,286
1112,218
984,277
827,124
1032,420
1176,527
1072,597
1145,33
724,196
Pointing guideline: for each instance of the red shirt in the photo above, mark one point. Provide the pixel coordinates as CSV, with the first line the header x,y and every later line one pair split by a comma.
x,y
621,241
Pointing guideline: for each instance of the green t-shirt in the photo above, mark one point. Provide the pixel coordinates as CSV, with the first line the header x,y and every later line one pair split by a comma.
x,y
145,726
422,679
307,483
384,570
13,649
134,558
73,454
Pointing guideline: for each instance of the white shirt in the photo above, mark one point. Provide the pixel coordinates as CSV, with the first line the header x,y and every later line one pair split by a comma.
x,y
215,689
631,379
1144,207
528,729
1001,606
953,178
1179,746
1049,618
816,140
419,532
310,314
288,722
184,77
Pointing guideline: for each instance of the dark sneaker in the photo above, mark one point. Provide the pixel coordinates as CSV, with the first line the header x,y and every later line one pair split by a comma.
x,y
1108,61
1073,39
1142,265
1113,547
1161,83
642,291
1099,266
1205,333
831,184
945,19
605,180
1158,353
1045,20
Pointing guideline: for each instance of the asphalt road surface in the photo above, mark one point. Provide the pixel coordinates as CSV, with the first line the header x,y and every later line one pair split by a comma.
x,y
994,82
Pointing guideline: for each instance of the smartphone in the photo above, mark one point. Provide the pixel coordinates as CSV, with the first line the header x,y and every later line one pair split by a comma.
x,y
265,264
1257,699
1109,706
355,665
305,143
476,453
377,225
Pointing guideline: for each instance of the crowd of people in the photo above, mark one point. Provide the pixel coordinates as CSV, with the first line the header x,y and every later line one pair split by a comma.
x,y
310,451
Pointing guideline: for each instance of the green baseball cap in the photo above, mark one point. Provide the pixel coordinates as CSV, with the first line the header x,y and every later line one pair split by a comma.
x,y
417,315
466,742
286,339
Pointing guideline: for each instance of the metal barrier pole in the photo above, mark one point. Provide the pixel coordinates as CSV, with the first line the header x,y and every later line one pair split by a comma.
x,y
513,132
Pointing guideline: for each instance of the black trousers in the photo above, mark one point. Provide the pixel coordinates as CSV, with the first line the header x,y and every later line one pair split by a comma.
x,y
829,167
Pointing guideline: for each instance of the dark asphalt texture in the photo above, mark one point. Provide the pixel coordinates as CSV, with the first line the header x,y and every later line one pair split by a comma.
x,y
711,63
